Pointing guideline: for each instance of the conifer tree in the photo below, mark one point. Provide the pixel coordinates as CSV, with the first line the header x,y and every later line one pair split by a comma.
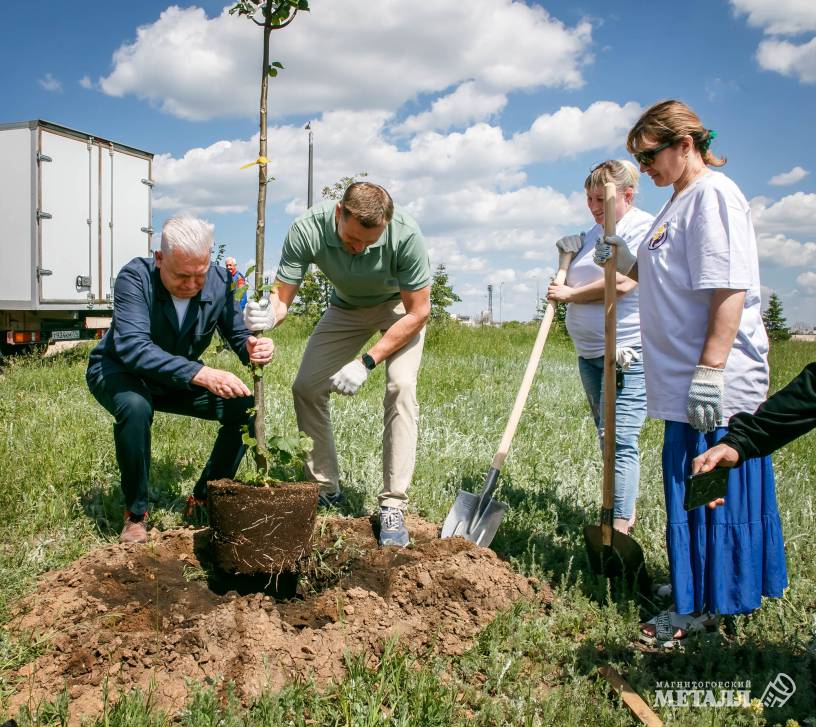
x,y
775,323
442,295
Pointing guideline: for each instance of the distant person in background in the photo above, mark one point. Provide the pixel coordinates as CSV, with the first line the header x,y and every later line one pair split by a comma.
x,y
583,292
238,280
166,310
788,414
705,352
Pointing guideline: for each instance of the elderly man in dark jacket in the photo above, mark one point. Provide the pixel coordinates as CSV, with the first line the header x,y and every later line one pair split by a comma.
x,y
166,310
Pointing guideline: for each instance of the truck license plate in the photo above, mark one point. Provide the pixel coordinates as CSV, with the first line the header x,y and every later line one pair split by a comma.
x,y
64,335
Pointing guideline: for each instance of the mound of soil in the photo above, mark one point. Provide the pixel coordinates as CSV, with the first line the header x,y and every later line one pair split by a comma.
x,y
132,613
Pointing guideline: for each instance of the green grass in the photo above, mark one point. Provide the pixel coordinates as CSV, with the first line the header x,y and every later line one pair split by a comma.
x,y
59,497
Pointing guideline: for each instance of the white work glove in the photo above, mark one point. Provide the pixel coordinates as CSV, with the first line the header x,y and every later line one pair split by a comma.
x,y
705,398
571,243
350,378
625,357
259,315
603,251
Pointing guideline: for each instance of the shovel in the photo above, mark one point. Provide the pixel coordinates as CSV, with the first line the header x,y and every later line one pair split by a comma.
x,y
477,516
612,553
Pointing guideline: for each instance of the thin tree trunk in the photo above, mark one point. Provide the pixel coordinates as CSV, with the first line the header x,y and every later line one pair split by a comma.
x,y
260,232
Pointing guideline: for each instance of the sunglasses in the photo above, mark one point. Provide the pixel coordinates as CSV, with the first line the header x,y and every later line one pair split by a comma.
x,y
647,156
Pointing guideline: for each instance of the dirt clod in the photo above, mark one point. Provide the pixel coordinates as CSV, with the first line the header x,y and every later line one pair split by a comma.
x,y
135,614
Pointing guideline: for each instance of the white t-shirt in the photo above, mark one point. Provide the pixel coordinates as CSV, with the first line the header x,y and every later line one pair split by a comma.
x,y
181,305
585,321
701,241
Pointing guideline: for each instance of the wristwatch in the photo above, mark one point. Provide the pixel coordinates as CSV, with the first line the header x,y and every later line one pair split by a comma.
x,y
368,362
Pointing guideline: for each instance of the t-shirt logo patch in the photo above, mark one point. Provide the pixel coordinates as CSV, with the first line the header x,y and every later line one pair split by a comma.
x,y
659,236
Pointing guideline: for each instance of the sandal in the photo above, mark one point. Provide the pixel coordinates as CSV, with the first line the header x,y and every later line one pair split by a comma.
x,y
671,629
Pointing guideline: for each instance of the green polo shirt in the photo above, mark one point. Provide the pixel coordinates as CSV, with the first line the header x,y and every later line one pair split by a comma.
x,y
397,261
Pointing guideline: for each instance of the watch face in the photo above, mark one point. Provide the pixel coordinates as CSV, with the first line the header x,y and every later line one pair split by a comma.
x,y
368,362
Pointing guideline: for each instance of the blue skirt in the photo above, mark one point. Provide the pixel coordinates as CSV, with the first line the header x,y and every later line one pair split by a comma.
x,y
721,560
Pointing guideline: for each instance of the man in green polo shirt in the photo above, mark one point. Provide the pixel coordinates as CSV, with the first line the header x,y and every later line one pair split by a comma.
x,y
376,259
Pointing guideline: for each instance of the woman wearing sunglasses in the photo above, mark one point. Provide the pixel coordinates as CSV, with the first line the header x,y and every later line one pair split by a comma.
x,y
706,358
583,292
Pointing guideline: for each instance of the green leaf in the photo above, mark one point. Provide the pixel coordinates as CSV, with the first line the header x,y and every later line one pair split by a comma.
x,y
248,441
249,271
303,5
277,64
240,291
272,71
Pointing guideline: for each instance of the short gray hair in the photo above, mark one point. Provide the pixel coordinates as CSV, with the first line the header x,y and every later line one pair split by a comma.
x,y
187,234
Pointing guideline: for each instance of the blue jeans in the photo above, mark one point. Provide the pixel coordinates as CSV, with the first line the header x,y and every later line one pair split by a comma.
x,y
630,413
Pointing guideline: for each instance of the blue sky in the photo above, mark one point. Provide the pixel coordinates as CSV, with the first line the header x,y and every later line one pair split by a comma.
x,y
482,118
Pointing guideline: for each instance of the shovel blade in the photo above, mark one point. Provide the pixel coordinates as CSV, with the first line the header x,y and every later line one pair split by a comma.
x,y
623,558
458,520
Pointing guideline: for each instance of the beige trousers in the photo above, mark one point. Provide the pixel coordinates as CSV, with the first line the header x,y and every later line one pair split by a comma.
x,y
336,340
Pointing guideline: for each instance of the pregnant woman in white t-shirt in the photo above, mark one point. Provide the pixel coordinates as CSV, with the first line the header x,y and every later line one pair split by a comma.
x,y
583,292
706,358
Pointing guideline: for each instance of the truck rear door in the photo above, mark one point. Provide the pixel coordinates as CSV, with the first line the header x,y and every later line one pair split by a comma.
x,y
68,183
125,208
93,216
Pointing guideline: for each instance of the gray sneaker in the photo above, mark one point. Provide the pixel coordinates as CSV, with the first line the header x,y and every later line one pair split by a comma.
x,y
392,527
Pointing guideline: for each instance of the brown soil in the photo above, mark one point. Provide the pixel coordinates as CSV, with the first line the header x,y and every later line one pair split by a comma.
x,y
135,613
261,529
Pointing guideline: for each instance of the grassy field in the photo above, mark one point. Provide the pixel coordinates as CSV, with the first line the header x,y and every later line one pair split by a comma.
x,y
59,497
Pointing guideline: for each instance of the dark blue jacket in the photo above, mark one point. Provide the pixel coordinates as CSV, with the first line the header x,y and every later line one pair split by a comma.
x,y
145,338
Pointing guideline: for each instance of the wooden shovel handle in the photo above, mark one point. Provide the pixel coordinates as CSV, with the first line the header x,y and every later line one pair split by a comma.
x,y
532,366
631,698
610,390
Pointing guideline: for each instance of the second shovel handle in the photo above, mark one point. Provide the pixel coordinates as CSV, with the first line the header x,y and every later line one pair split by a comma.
x,y
610,346
532,366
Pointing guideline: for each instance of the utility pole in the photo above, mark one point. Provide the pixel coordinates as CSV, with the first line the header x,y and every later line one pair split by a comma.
x,y
310,186
490,303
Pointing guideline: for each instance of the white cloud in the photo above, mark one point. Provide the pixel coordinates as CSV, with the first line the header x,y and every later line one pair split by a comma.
x,y
466,104
470,179
778,17
793,214
468,189
570,130
782,251
513,221
198,68
778,224
807,281
789,59
790,177
86,82
49,83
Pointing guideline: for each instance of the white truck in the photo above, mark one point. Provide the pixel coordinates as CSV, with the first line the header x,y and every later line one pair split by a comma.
x,y
74,208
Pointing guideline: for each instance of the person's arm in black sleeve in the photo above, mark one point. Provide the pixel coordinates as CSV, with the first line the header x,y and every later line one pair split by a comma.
x,y
788,414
